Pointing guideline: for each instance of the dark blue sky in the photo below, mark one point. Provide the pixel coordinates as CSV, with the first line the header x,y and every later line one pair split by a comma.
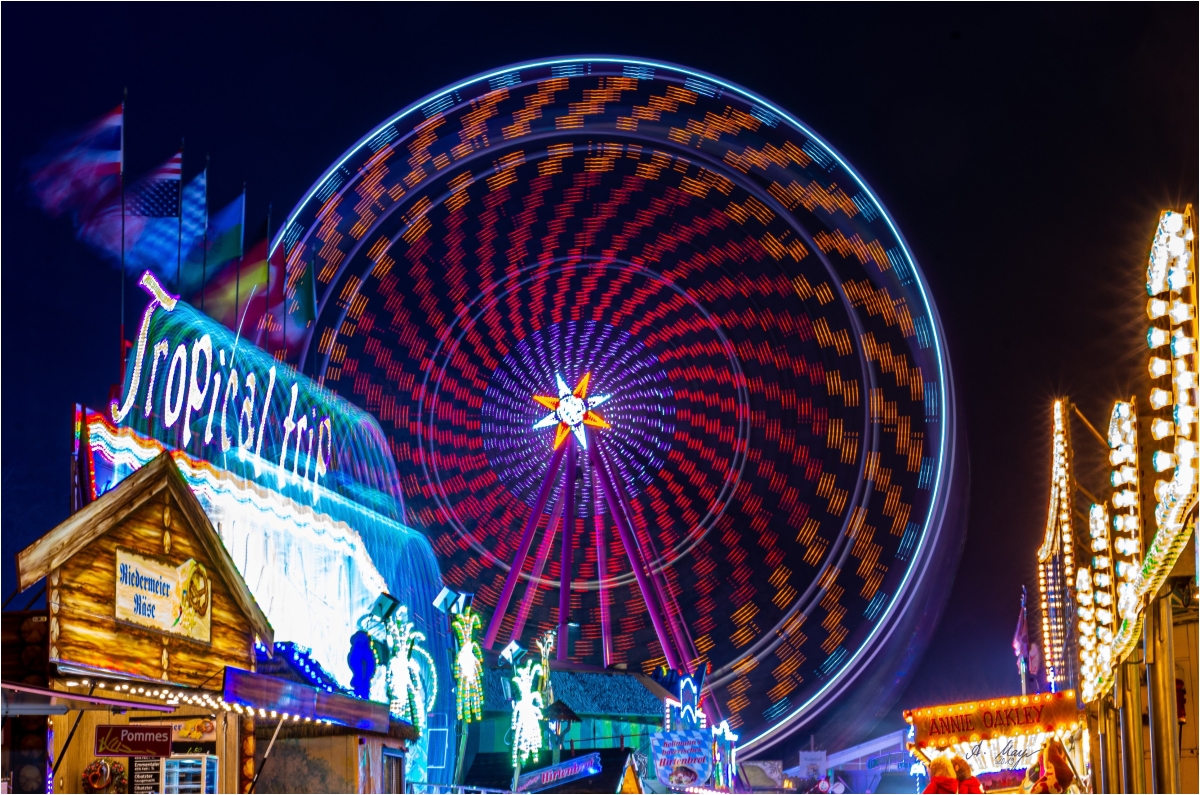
x,y
1025,151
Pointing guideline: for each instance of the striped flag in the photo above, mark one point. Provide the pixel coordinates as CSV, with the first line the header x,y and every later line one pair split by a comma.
x,y
79,171
151,222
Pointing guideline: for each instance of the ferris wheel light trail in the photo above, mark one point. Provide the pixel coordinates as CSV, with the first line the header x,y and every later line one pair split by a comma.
x,y
510,582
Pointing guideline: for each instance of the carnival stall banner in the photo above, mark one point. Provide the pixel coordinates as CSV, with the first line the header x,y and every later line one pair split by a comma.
x,y
981,720
152,593
683,758
556,775
813,764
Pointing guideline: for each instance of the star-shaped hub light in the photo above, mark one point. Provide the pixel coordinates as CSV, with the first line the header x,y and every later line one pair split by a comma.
x,y
571,411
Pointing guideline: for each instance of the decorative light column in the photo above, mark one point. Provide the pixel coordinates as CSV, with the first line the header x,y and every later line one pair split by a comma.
x,y
1056,559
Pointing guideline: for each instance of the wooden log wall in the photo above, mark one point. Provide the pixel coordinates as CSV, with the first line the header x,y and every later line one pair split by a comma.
x,y
83,624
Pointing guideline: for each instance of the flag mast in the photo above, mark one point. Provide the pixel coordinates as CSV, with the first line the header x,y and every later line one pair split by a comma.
x,y
204,247
237,277
121,177
179,207
267,295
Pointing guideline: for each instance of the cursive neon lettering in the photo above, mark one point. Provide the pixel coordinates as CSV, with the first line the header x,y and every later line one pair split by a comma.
x,y
175,402
158,297
196,395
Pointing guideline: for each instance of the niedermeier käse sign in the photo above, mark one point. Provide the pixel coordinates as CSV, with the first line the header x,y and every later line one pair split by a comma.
x,y
155,594
1000,717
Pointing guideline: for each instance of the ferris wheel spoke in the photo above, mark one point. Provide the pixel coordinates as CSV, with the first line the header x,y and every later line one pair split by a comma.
x,y
568,554
649,594
539,565
514,573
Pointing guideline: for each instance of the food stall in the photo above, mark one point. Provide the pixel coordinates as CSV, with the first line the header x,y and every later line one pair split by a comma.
x,y
1001,738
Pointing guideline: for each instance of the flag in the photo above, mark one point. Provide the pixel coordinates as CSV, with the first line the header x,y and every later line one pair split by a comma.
x,y
225,236
303,304
238,289
164,241
151,212
1020,641
78,172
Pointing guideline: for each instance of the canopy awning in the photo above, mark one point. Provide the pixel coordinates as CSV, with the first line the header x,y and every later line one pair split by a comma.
x,y
22,699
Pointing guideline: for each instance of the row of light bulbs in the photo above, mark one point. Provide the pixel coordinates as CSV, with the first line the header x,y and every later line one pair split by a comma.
x,y
1107,636
1058,537
198,698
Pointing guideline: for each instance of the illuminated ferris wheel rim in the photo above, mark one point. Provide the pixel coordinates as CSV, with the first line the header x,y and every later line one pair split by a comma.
x,y
944,462
525,276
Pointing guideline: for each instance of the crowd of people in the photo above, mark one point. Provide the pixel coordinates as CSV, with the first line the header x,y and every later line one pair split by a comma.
x,y
1050,773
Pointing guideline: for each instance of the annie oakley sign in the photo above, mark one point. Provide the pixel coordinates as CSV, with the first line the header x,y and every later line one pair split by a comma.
x,y
1002,717
202,389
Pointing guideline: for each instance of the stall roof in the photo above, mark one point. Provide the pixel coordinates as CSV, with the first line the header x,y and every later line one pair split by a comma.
x,y
98,517
588,693
22,699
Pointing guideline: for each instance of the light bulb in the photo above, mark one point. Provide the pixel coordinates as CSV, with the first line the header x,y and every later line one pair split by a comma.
x,y
1101,562
1182,344
1124,498
1159,367
1162,461
1160,489
1159,398
1161,429
1099,544
1185,450
1184,379
1172,222
1184,415
1157,337
1156,308
1180,276
1181,311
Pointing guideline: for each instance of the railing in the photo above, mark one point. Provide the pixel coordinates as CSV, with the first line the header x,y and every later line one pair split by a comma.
x,y
424,788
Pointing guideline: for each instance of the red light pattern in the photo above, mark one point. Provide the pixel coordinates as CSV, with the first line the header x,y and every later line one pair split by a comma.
x,y
773,365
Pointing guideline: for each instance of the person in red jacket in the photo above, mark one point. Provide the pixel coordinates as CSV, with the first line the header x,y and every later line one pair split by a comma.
x,y
941,776
966,778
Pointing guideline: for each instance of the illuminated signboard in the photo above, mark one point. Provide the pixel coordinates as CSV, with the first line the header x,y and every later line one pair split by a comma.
x,y
997,733
195,386
157,595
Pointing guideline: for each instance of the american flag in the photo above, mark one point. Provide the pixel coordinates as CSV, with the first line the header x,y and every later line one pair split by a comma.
x,y
156,195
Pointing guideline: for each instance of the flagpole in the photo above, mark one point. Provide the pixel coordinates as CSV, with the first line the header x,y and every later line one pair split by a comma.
x,y
121,376
179,207
204,248
267,296
237,283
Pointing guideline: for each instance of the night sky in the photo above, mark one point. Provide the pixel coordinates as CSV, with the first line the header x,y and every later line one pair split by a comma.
x,y
1024,151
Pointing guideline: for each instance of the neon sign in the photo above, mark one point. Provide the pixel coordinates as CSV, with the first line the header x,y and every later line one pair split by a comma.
x,y
197,387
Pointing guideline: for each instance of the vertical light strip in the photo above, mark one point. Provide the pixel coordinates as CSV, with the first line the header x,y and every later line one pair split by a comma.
x,y
1056,555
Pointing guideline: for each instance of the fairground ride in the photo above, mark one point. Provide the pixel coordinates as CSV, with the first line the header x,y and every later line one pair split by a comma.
x,y
653,361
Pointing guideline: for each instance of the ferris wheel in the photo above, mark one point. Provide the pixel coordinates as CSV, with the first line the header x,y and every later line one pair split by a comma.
x,y
654,362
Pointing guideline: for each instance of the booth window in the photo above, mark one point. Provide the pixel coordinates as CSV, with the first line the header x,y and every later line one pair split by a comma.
x,y
393,771
189,774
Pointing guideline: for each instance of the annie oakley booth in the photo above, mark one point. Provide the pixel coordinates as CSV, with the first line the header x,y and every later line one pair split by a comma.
x,y
238,530
1001,738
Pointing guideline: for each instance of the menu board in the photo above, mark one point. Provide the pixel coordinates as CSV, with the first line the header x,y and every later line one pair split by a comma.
x,y
144,773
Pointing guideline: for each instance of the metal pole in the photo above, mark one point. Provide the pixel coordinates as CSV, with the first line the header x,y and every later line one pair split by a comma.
x,y
70,735
602,574
1133,753
1110,746
1160,686
267,753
